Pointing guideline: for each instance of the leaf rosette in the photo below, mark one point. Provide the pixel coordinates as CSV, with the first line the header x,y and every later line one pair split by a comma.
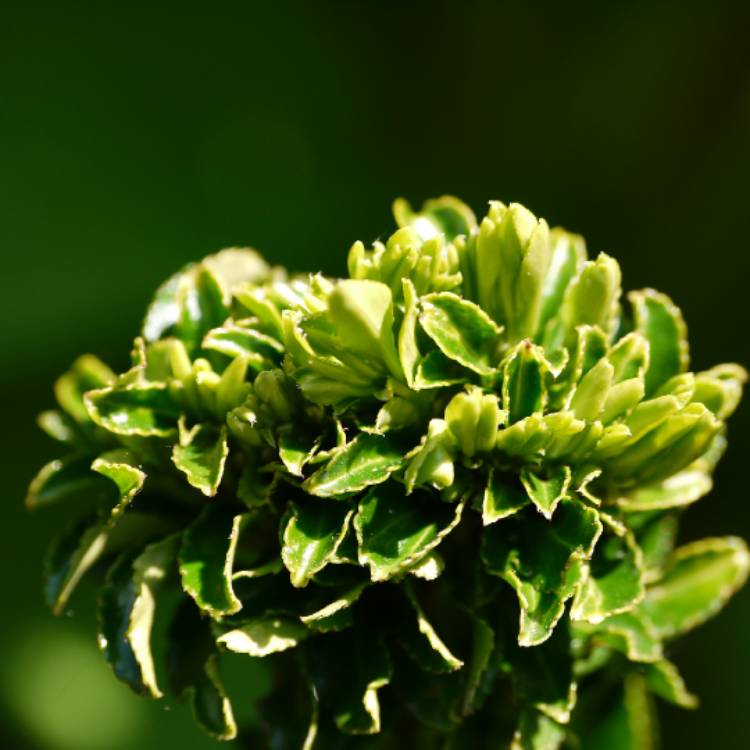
x,y
437,499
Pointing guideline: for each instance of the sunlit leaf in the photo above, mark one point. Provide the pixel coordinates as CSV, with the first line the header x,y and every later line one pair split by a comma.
x,y
207,558
395,531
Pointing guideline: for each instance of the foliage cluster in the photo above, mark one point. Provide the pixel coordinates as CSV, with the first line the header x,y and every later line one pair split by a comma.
x,y
438,499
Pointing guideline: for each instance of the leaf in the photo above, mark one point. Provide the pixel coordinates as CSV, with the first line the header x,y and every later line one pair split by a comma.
x,y
524,393
461,330
408,351
483,646
196,306
590,396
69,558
432,462
395,531
127,607
429,567
628,723
65,478
445,215
543,561
546,492
676,491
660,321
423,644
592,297
503,496
87,373
613,580
200,455
347,670
206,560
263,636
367,460
255,486
313,533
362,313
627,632
336,615
261,351
663,679
295,449
537,732
121,467
134,409
720,388
698,580
194,673
435,370
568,251
82,545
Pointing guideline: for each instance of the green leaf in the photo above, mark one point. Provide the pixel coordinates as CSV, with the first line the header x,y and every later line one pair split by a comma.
x,y
408,351
592,297
432,462
362,313
121,467
207,557
422,643
187,306
720,388
628,633
367,460
663,679
613,580
194,673
81,546
568,252
435,370
336,615
313,533
627,723
395,531
347,670
660,321
590,396
127,607
473,418
445,215
698,580
296,448
429,567
87,373
524,393
461,330
60,426
543,561
676,491
483,647
255,486
263,636
537,732
134,409
543,675
200,455
546,491
69,558
261,351
68,477
503,496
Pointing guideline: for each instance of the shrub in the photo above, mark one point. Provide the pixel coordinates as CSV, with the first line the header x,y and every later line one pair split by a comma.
x,y
438,499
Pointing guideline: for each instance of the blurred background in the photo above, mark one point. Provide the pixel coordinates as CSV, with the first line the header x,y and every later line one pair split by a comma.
x,y
136,136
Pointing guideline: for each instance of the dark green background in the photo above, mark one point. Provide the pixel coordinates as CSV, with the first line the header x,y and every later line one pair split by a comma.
x,y
138,136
